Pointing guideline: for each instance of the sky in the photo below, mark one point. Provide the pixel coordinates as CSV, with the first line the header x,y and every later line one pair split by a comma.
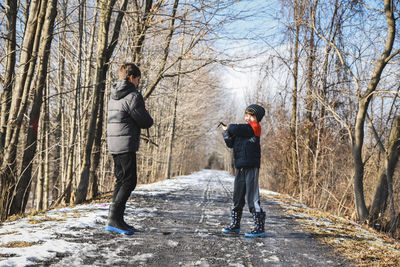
x,y
246,39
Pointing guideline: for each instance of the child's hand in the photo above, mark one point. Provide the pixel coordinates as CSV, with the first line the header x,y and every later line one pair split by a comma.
x,y
224,126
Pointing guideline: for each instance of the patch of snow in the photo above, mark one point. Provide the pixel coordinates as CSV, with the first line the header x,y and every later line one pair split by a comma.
x,y
46,251
172,243
142,257
202,263
236,264
272,258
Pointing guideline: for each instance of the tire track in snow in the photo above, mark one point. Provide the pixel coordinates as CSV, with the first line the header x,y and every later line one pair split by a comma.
x,y
205,201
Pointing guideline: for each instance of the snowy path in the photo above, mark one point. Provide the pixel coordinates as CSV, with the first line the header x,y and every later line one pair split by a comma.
x,y
180,222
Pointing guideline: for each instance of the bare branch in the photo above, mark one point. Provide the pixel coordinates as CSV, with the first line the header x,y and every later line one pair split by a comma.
x,y
338,53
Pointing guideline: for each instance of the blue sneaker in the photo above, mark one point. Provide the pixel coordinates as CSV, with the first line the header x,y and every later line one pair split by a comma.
x,y
115,222
119,231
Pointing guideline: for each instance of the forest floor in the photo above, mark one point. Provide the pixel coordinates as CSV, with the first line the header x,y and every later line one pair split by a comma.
x,y
180,222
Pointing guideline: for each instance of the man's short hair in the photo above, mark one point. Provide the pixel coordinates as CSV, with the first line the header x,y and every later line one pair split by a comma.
x,y
128,69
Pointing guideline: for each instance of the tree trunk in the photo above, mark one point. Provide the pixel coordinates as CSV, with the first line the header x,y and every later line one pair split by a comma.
x,y
90,50
175,106
23,187
103,55
358,177
60,151
95,156
8,170
310,126
40,162
142,24
47,147
379,202
293,127
11,14
358,135
6,182
392,160
23,79
172,133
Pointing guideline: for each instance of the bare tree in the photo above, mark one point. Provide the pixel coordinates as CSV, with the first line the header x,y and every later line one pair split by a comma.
x,y
364,99
104,53
23,187
11,15
53,86
145,13
36,45
11,131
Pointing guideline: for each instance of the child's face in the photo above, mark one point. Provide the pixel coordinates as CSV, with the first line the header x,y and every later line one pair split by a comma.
x,y
135,80
249,118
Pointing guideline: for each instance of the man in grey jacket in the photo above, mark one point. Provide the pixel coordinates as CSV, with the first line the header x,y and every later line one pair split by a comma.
x,y
127,114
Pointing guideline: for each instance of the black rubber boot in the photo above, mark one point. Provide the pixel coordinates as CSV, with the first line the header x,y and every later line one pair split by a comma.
x,y
259,223
121,196
123,221
115,222
234,227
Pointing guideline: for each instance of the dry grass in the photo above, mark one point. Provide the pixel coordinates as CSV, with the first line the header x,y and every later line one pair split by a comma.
x,y
359,243
19,244
9,233
44,219
75,214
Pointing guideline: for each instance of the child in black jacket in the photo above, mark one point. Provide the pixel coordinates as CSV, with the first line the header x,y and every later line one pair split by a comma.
x,y
245,141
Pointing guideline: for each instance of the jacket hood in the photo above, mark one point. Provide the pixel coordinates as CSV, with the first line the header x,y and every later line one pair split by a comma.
x,y
122,88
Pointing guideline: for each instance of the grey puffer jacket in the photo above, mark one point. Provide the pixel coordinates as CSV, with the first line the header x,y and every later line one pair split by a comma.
x,y
126,116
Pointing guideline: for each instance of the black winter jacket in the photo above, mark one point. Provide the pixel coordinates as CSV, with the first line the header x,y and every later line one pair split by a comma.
x,y
245,144
126,116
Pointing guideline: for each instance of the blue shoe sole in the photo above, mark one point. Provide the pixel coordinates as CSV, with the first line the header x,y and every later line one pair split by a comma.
x,y
119,231
254,235
226,231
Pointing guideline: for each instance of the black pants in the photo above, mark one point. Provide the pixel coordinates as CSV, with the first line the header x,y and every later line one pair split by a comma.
x,y
246,189
125,172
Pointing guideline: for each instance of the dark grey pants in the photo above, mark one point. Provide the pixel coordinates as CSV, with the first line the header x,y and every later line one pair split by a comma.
x,y
246,189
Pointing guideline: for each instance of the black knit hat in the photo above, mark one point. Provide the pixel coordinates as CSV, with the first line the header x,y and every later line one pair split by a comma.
x,y
257,110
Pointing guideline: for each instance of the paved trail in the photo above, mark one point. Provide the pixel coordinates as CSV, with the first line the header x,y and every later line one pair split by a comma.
x,y
183,228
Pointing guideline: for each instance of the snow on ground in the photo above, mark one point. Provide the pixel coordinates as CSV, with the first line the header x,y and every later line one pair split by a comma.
x,y
31,239
34,238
